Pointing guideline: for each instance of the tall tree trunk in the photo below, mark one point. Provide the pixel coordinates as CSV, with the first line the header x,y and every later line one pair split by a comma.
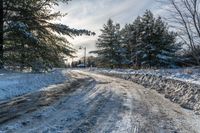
x,y
1,35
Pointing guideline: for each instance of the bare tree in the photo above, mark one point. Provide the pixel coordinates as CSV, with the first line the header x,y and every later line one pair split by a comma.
x,y
185,17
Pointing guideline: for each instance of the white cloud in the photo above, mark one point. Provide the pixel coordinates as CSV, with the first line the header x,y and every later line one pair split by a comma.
x,y
92,14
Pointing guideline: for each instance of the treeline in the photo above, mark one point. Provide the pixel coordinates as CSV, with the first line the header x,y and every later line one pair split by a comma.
x,y
147,43
30,39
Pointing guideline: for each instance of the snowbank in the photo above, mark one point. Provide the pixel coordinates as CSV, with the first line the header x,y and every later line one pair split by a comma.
x,y
190,75
181,86
15,84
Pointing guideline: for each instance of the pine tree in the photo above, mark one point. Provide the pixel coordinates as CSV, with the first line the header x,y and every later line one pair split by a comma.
x,y
128,34
146,45
157,42
120,50
150,41
31,39
109,47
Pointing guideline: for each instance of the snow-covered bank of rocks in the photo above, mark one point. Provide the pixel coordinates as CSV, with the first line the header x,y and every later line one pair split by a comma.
x,y
14,84
181,86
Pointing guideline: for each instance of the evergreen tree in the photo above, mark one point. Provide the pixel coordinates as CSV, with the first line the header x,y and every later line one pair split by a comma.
x,y
120,50
109,47
158,44
30,37
129,39
150,41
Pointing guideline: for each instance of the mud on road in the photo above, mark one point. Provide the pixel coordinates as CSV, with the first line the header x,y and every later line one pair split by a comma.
x,y
96,104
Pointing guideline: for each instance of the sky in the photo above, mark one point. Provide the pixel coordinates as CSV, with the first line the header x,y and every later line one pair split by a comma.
x,y
92,14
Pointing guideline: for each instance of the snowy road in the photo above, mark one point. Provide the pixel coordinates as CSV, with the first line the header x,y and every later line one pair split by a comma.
x,y
103,104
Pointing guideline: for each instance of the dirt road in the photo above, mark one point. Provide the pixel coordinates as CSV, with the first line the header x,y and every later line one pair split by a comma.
x,y
105,104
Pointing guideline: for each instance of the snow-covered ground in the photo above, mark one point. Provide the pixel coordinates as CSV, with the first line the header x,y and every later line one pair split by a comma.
x,y
191,75
15,84
104,104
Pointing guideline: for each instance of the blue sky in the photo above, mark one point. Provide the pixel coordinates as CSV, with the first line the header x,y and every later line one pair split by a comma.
x,y
92,14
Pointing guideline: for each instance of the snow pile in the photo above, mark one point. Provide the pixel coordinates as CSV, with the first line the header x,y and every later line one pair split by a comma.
x,y
16,84
190,75
181,86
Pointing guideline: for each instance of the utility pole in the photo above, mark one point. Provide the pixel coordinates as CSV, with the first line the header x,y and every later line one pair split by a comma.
x,y
85,50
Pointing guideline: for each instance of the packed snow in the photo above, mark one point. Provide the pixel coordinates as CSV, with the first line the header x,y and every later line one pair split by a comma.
x,y
14,84
191,75
106,104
